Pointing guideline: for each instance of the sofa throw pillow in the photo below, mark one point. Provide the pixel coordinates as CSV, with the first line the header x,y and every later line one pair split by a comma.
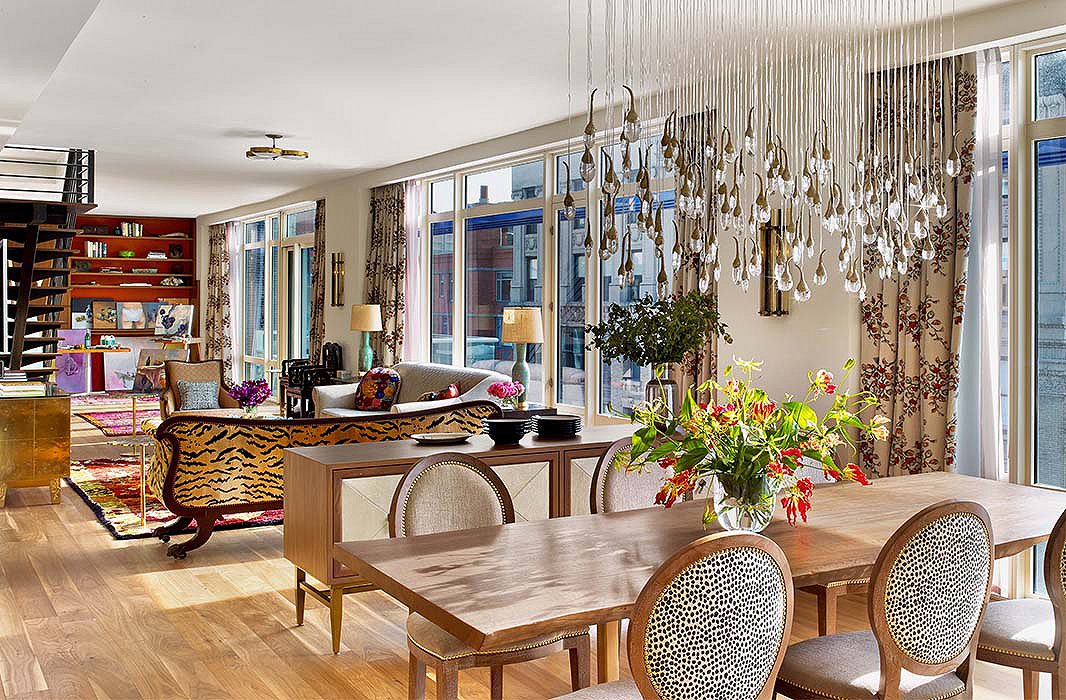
x,y
377,390
451,392
197,396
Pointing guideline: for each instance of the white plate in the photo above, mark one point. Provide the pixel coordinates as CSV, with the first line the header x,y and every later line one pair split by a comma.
x,y
440,438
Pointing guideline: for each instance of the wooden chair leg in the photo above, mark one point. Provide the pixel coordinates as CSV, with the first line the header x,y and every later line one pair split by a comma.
x,y
301,595
1058,688
163,532
827,611
416,679
336,615
496,682
447,681
1030,685
607,651
581,664
55,488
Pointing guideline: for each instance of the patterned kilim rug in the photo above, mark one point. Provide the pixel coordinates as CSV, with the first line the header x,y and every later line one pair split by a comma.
x,y
99,399
111,488
118,423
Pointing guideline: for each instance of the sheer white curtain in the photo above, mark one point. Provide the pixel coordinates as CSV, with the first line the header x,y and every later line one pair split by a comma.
x,y
415,322
980,427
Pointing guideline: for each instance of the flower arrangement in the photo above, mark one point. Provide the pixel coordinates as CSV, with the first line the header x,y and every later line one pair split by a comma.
x,y
506,392
752,446
249,394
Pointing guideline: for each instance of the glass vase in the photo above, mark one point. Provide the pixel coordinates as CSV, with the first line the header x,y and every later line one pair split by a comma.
x,y
251,411
745,505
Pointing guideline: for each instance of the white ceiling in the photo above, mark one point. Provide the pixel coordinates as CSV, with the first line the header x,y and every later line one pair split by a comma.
x,y
170,94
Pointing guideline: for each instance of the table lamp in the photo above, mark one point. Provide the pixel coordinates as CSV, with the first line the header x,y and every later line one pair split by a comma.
x,y
366,318
522,325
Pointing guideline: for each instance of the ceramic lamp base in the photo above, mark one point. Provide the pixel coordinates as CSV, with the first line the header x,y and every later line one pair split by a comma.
x,y
366,354
520,374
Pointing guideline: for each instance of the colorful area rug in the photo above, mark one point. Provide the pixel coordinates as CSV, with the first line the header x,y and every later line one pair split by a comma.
x,y
118,423
111,488
98,399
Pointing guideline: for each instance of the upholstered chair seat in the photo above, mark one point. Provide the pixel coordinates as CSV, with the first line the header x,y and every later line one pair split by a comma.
x,y
618,690
1023,628
847,667
434,641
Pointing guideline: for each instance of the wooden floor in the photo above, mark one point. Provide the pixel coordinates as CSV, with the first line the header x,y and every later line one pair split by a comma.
x,y
83,616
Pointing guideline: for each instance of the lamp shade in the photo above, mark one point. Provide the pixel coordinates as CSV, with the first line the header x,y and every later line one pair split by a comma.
x,y
522,324
366,317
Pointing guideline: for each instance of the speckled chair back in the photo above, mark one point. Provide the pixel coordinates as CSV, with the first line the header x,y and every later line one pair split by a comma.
x,y
1055,578
449,491
714,621
614,488
930,588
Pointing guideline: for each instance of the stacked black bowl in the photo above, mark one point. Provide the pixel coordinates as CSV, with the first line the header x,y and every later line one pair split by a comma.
x,y
557,427
506,431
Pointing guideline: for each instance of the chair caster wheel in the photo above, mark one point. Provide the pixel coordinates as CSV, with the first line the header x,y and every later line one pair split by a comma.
x,y
180,555
174,551
164,538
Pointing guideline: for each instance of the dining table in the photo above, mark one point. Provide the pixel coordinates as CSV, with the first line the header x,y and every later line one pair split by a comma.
x,y
493,586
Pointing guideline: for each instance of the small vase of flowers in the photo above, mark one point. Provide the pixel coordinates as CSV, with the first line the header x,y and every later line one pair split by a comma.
x,y
249,395
506,393
749,449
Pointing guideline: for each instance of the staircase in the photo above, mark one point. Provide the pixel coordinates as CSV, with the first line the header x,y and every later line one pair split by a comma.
x,y
35,240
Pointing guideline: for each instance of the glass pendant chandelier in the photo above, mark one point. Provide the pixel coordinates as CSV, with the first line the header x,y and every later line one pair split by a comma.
x,y
839,114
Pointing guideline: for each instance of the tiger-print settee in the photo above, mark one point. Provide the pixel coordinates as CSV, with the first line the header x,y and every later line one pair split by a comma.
x,y
206,466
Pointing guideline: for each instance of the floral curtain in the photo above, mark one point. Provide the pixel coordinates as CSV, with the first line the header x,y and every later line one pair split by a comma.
x,y
911,324
218,341
386,269
318,283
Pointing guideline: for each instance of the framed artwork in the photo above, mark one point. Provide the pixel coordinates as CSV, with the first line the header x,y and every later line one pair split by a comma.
x,y
174,320
104,315
148,375
120,368
71,369
131,315
151,311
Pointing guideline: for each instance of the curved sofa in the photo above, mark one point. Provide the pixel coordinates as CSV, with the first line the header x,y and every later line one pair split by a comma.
x,y
209,466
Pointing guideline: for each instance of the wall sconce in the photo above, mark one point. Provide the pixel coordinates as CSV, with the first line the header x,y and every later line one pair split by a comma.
x,y
336,297
773,302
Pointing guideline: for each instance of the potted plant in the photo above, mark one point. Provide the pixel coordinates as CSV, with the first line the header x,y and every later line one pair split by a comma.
x,y
249,395
749,449
658,333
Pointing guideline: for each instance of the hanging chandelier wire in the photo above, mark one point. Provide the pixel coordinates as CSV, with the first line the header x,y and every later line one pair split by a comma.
x,y
835,120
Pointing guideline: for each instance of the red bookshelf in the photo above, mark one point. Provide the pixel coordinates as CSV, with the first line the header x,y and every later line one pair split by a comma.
x,y
157,235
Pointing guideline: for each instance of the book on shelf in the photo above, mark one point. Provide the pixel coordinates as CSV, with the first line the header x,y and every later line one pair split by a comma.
x,y
131,228
156,255
95,249
22,388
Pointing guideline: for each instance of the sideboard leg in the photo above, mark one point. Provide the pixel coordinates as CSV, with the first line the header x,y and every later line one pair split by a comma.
x,y
3,494
55,487
301,595
336,615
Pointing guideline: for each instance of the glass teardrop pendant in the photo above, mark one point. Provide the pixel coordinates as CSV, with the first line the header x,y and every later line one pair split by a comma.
x,y
802,292
820,274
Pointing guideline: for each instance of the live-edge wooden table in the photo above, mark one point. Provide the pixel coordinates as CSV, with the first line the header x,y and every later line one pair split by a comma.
x,y
315,476
497,585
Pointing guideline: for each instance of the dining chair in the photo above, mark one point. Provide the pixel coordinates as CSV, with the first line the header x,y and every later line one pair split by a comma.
x,y
712,622
452,491
615,489
1027,633
929,591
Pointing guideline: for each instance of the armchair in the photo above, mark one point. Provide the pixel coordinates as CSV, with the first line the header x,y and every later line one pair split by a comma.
x,y
207,371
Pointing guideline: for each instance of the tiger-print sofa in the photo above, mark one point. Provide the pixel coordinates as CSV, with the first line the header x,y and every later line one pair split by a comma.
x,y
207,466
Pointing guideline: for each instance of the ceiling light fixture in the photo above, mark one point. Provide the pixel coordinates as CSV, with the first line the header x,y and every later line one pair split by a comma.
x,y
272,152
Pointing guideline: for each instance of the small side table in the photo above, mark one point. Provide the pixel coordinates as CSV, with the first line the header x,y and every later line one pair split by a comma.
x,y
140,443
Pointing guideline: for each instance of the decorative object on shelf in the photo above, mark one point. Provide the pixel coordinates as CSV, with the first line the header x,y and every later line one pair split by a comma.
x,y
108,341
773,105
752,447
82,266
125,253
506,431
366,318
522,325
174,319
171,282
658,334
175,250
272,152
104,315
144,270
336,297
94,230
250,394
506,393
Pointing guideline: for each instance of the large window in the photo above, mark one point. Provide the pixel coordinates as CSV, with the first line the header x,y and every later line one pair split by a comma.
x,y
441,290
502,263
275,288
570,304
621,381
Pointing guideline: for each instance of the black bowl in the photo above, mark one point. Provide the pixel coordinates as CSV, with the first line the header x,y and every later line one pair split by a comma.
x,y
506,431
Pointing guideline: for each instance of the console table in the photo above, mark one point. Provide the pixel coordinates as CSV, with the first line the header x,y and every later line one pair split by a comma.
x,y
337,493
34,442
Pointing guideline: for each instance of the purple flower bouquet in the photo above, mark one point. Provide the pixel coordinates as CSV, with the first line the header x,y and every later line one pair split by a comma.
x,y
249,394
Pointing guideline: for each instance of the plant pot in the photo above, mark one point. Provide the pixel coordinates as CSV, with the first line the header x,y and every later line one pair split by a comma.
x,y
744,505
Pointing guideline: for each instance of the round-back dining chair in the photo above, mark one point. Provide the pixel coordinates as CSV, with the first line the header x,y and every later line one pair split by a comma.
x,y
615,488
447,492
